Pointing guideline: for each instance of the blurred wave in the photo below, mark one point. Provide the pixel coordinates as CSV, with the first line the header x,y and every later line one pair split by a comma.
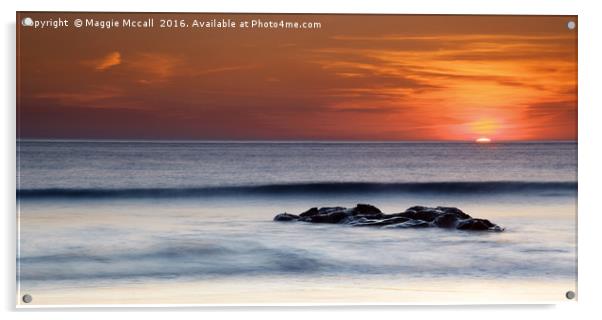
x,y
308,188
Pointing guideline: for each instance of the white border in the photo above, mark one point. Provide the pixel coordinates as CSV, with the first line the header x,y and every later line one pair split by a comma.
x,y
590,102
316,6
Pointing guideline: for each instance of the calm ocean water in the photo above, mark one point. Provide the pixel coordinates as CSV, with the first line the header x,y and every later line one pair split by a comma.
x,y
103,213
125,165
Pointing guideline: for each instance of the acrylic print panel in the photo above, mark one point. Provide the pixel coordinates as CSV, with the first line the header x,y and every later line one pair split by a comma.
x,y
295,159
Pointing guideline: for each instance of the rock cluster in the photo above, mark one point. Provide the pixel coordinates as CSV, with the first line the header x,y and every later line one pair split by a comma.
x,y
414,217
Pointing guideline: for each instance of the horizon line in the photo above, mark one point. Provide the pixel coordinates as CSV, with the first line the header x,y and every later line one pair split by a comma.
x,y
280,140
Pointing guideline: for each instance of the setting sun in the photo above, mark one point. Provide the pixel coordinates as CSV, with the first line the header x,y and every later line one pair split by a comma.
x,y
483,140
452,78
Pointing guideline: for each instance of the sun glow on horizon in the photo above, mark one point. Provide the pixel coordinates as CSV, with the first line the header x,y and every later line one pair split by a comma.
x,y
483,140
410,78
485,126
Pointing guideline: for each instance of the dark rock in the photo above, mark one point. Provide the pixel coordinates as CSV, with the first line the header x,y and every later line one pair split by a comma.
x,y
424,214
362,222
286,217
446,220
378,216
457,212
326,215
417,208
410,223
366,209
414,217
431,214
475,224
327,210
310,212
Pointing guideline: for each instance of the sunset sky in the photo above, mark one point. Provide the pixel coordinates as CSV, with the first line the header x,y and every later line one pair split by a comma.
x,y
358,77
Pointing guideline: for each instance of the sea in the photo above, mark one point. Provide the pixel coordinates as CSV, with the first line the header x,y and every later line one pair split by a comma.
x,y
191,222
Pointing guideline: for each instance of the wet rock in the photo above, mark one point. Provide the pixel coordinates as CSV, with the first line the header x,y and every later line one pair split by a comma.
x,y
310,212
365,215
421,213
286,217
409,224
455,211
333,216
475,224
361,222
446,220
328,210
366,209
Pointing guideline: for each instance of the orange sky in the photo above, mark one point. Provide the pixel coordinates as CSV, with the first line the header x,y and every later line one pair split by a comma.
x,y
359,77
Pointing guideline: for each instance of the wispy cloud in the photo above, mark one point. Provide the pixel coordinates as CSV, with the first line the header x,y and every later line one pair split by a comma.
x,y
110,60
90,97
223,69
153,67
470,77
452,78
